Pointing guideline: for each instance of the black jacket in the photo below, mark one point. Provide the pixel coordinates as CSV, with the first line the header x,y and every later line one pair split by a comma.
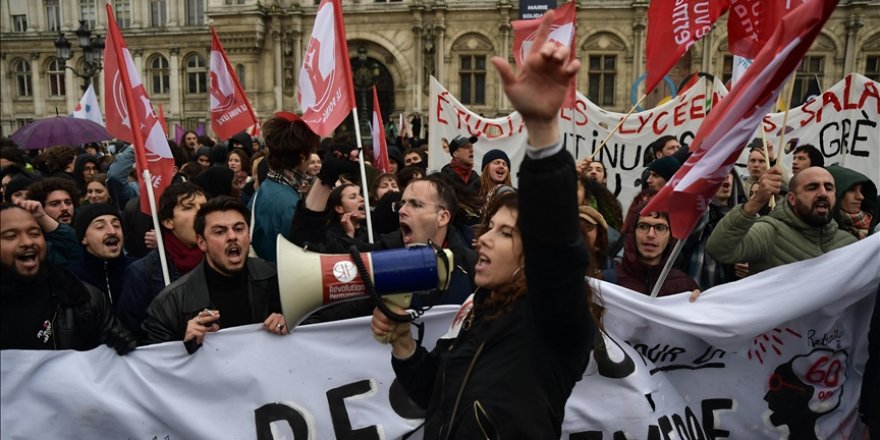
x,y
183,299
81,316
106,275
510,377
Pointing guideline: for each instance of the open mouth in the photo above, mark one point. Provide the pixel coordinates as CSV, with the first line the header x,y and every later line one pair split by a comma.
x,y
406,233
822,206
482,263
28,259
65,218
234,254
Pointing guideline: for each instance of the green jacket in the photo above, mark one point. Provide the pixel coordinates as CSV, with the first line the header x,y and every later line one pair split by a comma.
x,y
772,240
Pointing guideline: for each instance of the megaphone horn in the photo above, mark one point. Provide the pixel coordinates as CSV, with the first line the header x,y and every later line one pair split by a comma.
x,y
310,281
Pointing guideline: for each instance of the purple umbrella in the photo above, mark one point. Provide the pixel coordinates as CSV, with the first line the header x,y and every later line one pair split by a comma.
x,y
60,130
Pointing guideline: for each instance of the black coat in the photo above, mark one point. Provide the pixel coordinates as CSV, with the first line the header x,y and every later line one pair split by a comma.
x,y
81,315
183,299
510,377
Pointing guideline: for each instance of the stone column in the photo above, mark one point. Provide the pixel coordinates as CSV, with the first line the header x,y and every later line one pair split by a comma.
x,y
174,84
853,24
638,51
504,27
6,93
138,55
278,62
417,70
37,89
73,87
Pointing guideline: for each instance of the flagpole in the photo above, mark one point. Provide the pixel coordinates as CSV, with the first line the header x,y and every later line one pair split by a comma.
x,y
366,190
667,267
772,202
789,89
160,242
611,133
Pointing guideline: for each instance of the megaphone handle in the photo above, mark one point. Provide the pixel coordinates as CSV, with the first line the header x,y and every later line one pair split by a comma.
x,y
401,300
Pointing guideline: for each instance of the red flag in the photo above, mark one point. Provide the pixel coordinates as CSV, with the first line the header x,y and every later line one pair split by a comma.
x,y
726,130
380,149
673,27
325,94
162,119
752,22
562,32
231,112
130,114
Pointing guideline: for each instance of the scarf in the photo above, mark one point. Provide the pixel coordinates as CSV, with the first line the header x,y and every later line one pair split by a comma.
x,y
461,169
291,178
184,258
240,179
856,224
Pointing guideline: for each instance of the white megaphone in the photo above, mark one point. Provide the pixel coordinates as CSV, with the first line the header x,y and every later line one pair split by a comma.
x,y
310,281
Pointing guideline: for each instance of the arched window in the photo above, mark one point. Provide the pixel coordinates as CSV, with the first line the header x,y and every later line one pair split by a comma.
x,y
55,73
603,53
871,49
810,76
472,52
159,75
22,72
196,75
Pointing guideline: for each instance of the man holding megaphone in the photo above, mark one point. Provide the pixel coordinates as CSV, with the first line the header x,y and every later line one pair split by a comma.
x,y
425,211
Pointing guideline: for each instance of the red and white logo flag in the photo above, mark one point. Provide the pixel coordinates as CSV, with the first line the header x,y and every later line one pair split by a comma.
x,y
726,130
673,27
751,23
231,113
380,148
325,94
562,32
130,115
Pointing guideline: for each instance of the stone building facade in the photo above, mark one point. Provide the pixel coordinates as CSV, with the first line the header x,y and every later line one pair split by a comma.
x,y
395,44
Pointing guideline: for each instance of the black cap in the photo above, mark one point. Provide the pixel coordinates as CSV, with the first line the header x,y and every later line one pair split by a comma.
x,y
88,213
460,141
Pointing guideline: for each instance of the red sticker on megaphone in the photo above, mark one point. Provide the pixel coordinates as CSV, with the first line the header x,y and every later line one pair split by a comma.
x,y
341,279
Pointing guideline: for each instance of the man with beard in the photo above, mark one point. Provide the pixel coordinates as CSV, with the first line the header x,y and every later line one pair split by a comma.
x,y
52,201
58,196
99,230
227,289
42,305
801,228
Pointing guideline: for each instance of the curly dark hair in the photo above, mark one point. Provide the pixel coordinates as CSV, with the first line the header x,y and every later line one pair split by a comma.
x,y
57,159
41,189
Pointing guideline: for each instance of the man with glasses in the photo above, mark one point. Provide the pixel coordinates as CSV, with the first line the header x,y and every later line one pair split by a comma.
x,y
646,248
426,210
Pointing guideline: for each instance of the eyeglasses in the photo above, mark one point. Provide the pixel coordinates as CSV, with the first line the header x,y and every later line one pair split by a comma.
x,y
645,227
414,204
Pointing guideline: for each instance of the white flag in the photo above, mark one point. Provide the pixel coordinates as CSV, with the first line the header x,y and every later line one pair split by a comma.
x,y
87,107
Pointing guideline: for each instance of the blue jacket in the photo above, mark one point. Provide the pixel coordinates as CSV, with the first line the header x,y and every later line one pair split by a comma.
x,y
274,205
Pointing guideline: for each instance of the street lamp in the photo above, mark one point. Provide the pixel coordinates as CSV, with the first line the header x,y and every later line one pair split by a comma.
x,y
365,76
93,52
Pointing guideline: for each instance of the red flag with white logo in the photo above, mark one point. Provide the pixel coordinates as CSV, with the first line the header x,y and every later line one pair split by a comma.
x,y
325,94
730,125
751,23
380,148
130,115
231,113
562,32
673,27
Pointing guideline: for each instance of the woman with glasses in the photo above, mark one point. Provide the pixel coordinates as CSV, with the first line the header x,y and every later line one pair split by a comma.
x,y
647,244
521,342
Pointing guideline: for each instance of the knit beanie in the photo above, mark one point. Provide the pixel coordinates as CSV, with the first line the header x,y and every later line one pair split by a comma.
x,y
88,213
665,167
15,185
492,155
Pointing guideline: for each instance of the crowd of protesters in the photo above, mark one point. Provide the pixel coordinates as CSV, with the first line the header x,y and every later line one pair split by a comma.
x,y
82,266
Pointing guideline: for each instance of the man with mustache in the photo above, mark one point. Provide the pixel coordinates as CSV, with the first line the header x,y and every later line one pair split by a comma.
x,y
42,305
99,231
801,227
55,199
59,197
227,289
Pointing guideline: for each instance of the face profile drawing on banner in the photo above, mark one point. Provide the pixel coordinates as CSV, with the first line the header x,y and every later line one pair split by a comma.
x,y
318,70
803,390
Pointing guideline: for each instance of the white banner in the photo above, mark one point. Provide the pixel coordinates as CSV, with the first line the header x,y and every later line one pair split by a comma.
x,y
842,123
779,352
